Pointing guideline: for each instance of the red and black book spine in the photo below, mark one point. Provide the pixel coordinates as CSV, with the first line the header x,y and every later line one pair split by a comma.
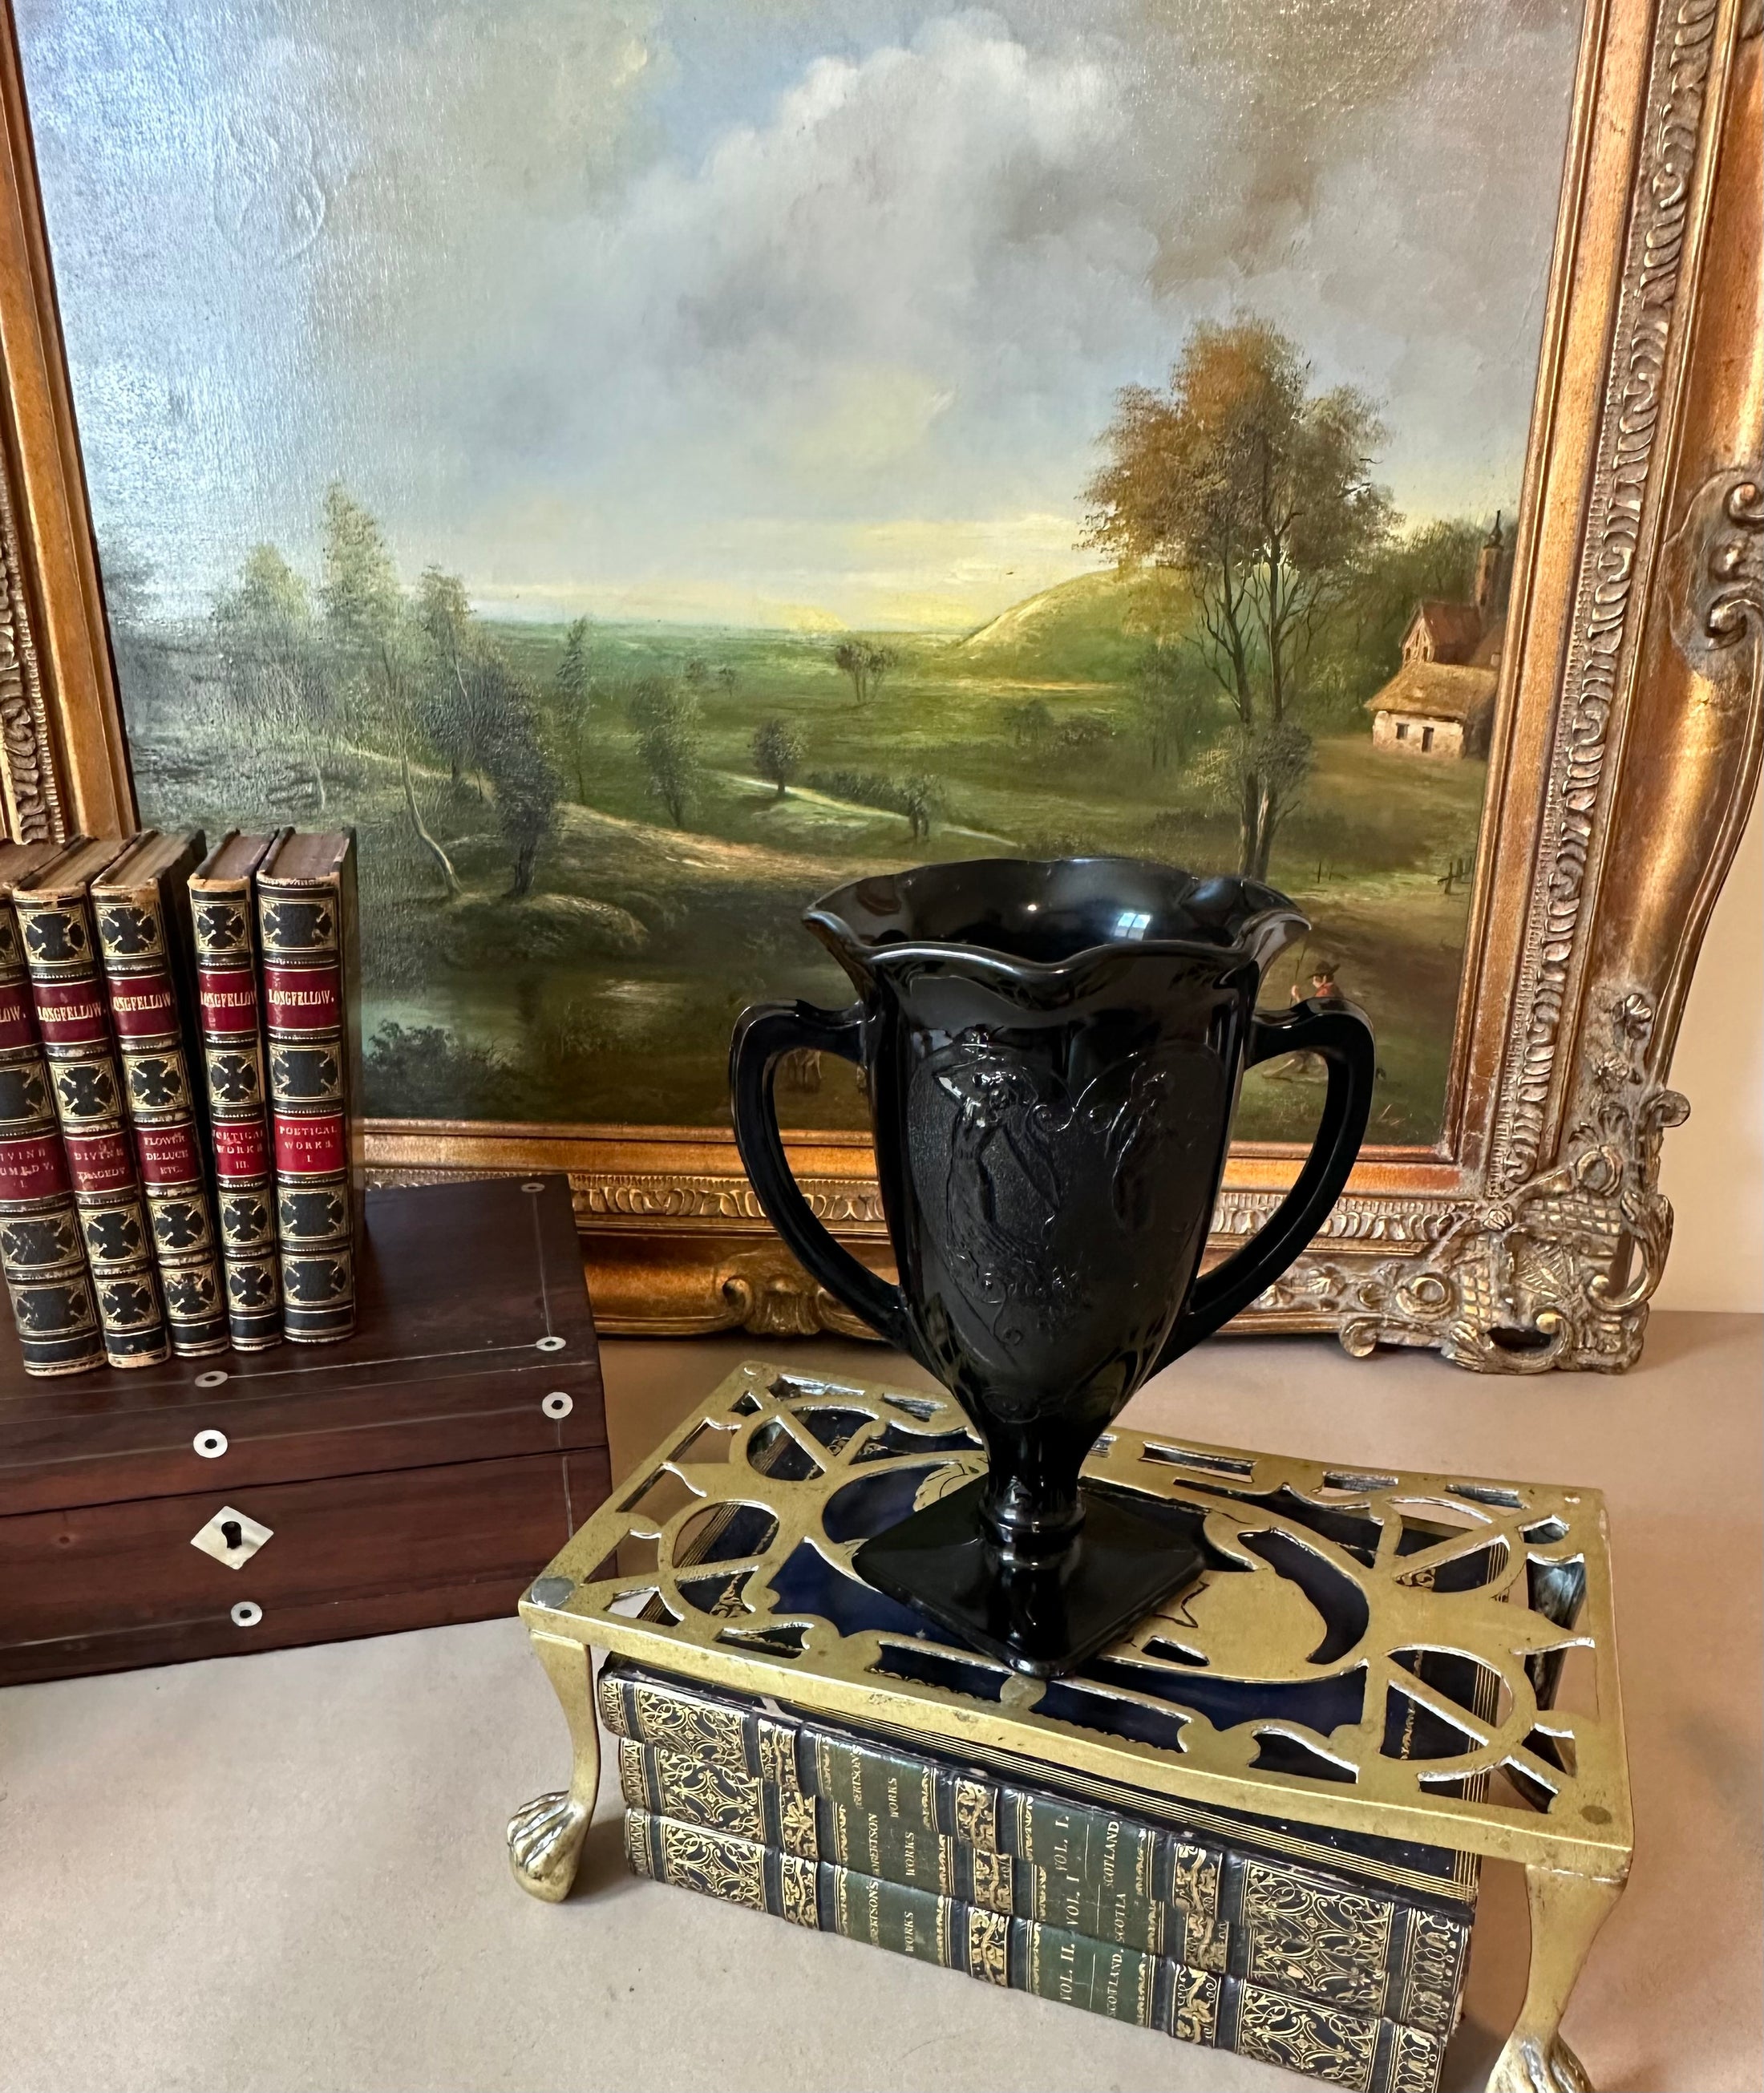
x,y
74,1021
40,1249
305,927
223,921
139,909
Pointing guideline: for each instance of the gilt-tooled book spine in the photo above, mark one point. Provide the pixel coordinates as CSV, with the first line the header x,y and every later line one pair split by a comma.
x,y
223,921
41,1249
60,951
1339,1940
1346,2048
775,1811
305,899
143,940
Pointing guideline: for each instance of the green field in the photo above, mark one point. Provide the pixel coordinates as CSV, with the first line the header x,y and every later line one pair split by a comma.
x,y
608,991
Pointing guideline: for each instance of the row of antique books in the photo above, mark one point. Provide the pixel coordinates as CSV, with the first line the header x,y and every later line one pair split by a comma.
x,y
178,1172
1339,1955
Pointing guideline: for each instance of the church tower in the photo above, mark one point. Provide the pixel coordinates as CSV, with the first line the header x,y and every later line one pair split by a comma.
x,y
1486,594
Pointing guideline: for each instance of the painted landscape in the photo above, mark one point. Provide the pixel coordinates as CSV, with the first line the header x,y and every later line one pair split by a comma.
x,y
821,441
585,846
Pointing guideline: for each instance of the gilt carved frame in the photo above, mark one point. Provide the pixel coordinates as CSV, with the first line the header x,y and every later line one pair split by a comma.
x,y
1624,757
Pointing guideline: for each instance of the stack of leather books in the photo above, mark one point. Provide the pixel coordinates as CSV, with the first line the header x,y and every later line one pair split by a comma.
x,y
178,1065
1340,1956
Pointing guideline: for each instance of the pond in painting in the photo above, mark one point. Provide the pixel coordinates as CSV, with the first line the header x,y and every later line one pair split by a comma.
x,y
644,465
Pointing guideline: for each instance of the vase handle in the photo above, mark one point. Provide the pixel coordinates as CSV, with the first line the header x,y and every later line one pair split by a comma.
x,y
1341,1033
763,1036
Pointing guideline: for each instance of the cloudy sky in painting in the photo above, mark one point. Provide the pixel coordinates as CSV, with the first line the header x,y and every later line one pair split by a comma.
x,y
787,312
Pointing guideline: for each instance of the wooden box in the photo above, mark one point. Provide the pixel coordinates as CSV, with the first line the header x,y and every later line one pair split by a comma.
x,y
419,1472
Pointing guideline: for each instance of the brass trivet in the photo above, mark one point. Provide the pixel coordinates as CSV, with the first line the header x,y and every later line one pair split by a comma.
x,y
1332,1575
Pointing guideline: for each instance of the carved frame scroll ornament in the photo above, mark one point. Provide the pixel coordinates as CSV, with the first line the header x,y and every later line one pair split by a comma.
x,y
1556,1271
1624,758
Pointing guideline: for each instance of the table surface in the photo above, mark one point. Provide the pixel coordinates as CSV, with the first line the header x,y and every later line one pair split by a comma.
x,y
286,1871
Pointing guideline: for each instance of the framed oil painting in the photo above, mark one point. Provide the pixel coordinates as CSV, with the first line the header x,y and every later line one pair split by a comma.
x,y
642,464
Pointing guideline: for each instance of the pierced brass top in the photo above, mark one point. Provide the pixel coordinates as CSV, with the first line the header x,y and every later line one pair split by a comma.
x,y
1371,1616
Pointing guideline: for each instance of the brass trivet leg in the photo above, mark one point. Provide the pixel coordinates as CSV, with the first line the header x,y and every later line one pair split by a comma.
x,y
1566,1913
545,1838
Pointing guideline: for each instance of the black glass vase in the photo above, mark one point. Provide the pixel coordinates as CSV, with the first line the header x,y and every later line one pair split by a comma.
x,y
1052,1053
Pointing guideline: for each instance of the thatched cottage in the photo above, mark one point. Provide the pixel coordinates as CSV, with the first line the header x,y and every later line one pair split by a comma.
x,y
1441,701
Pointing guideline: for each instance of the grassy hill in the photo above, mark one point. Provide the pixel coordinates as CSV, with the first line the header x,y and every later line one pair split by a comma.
x,y
608,992
1091,629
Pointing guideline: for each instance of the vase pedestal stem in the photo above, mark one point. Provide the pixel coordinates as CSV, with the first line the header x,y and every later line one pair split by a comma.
x,y
1042,1610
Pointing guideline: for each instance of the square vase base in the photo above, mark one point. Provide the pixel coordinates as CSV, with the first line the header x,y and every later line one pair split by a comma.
x,y
1044,1622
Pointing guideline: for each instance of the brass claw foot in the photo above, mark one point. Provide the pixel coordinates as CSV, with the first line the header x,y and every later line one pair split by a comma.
x,y
1525,2068
545,1838
1567,1912
545,1843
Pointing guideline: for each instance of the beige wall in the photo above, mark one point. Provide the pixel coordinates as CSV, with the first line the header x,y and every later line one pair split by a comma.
x,y
1713,1167
1448,735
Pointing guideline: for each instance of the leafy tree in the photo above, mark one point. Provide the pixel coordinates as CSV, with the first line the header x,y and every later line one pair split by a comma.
x,y
424,1072
270,656
1176,702
1435,559
371,634
881,661
777,753
455,708
527,787
1364,649
142,664
1084,734
359,593
1258,491
484,718
848,658
669,739
1277,754
573,682
918,799
1031,723
867,663
866,788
